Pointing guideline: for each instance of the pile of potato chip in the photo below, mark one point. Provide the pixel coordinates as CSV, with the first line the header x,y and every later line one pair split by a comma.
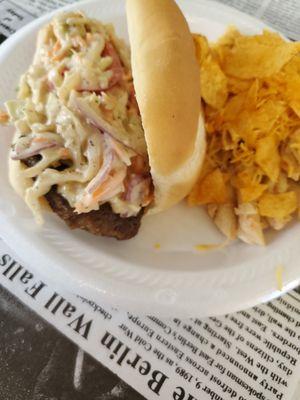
x,y
251,100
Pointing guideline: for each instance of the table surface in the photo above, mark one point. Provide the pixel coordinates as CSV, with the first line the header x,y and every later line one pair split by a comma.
x,y
39,363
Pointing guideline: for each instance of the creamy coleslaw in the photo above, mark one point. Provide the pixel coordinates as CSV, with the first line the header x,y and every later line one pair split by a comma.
x,y
76,113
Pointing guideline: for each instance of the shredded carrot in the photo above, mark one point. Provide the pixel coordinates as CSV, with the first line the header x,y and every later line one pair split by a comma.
x,y
56,47
99,191
149,197
58,57
4,117
64,153
89,37
39,140
127,76
138,165
54,53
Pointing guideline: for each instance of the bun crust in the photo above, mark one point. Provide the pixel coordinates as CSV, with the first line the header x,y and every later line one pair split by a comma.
x,y
167,85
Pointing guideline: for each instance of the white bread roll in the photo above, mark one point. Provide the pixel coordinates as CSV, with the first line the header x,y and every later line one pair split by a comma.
x,y
167,85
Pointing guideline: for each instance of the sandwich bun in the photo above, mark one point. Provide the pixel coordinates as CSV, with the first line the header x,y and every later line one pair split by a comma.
x,y
167,85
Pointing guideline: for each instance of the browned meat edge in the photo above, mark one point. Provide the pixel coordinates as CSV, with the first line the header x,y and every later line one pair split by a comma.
x,y
102,222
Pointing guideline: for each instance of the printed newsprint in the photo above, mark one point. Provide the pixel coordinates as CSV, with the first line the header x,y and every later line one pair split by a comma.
x,y
253,354
281,15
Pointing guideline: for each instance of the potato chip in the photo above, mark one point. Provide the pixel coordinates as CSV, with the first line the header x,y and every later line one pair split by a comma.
x,y
247,177
286,124
226,220
234,107
252,192
252,95
236,85
278,224
202,47
248,185
213,83
267,157
294,145
270,89
282,185
278,206
289,164
293,66
296,188
258,56
250,226
229,38
249,125
295,105
213,118
211,189
225,42
292,80
241,128
243,155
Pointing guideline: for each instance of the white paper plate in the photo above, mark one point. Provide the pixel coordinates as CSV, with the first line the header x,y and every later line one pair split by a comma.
x,y
175,280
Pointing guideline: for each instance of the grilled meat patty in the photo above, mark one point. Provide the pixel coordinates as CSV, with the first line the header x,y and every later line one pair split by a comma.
x,y
102,222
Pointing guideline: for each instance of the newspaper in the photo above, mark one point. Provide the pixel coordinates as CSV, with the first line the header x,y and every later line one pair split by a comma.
x,y
253,354
281,15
